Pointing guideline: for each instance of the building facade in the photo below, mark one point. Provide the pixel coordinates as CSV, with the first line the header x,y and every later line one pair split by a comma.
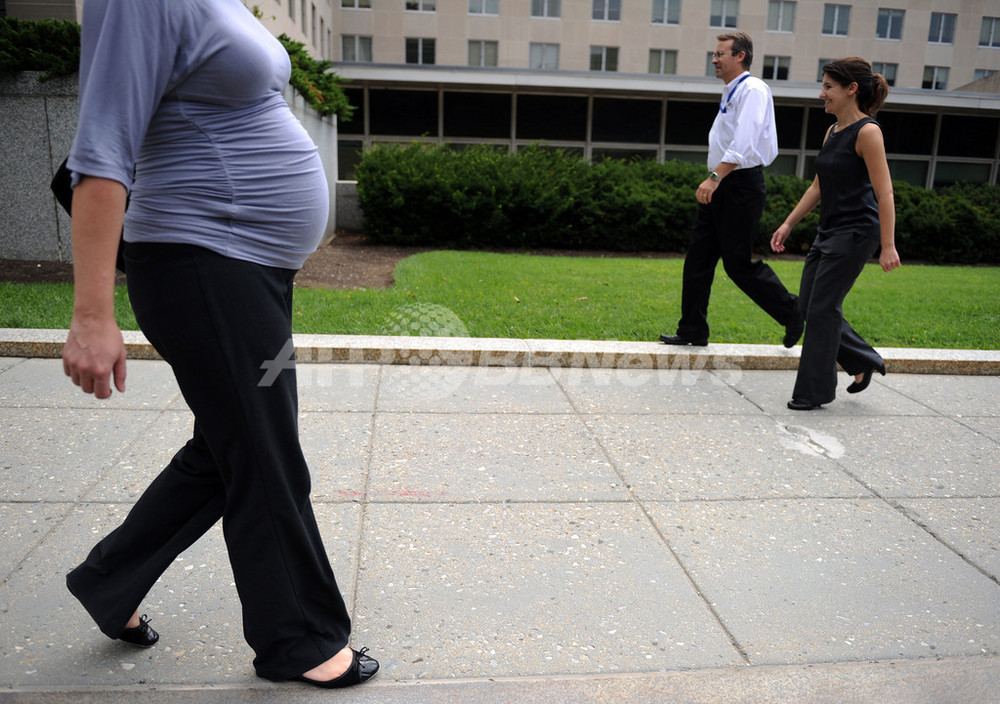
x,y
633,78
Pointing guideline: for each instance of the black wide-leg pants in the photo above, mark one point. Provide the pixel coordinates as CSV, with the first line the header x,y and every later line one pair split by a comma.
x,y
216,321
832,266
726,228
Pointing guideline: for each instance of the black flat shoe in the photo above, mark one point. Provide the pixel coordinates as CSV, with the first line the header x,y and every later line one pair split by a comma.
x,y
802,405
678,340
362,669
793,332
142,635
857,387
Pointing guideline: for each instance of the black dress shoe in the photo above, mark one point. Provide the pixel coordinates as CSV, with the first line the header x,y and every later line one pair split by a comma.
x,y
859,386
362,669
793,332
678,340
142,635
802,405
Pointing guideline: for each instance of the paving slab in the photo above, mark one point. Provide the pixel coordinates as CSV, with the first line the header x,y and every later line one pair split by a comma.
x,y
337,447
41,383
990,427
674,458
471,390
970,527
541,589
653,391
337,387
487,457
22,527
832,581
917,457
949,394
55,454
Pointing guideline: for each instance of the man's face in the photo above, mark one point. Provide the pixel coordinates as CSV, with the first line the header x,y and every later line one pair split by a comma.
x,y
727,66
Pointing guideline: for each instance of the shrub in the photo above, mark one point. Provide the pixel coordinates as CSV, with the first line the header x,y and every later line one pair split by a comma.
x,y
484,197
51,46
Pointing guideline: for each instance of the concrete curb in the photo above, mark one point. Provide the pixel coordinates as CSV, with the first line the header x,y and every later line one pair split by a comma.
x,y
945,681
510,352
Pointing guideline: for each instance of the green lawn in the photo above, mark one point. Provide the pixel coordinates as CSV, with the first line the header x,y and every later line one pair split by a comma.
x,y
531,296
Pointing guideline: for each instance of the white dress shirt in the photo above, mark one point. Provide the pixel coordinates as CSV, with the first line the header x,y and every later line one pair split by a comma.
x,y
743,132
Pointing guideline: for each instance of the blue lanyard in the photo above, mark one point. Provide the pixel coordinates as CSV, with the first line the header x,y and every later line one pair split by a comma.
x,y
723,106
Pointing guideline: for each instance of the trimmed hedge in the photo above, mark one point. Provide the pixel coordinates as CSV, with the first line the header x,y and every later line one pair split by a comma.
x,y
52,46
485,197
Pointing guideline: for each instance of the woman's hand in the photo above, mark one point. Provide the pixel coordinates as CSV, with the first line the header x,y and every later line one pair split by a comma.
x,y
889,259
93,353
779,237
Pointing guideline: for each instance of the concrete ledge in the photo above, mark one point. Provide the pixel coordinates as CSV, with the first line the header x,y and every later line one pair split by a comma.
x,y
947,681
504,352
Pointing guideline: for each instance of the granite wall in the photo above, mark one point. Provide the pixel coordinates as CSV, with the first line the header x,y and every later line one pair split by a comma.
x,y
37,122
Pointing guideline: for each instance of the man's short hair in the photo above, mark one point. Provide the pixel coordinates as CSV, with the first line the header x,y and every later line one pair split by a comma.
x,y
741,42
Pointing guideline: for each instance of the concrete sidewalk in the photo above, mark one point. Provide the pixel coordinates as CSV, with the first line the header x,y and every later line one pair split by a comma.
x,y
536,521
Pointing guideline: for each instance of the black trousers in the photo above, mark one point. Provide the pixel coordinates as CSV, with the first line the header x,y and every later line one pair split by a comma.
x,y
832,266
726,229
216,320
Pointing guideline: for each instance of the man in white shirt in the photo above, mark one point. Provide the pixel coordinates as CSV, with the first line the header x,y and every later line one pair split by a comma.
x,y
742,141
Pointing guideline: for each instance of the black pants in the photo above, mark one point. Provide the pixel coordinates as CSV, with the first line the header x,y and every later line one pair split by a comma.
x,y
216,320
832,266
726,228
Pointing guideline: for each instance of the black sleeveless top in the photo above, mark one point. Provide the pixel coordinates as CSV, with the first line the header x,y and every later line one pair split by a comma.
x,y
847,200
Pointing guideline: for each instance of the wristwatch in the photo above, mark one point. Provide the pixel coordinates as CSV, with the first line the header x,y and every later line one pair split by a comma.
x,y
714,176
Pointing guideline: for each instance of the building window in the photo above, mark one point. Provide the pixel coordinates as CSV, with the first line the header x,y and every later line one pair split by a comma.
x,y
323,50
484,7
666,12
781,16
421,5
819,69
663,61
989,33
981,73
776,68
545,8
889,24
482,53
355,48
544,56
419,50
357,4
887,70
607,10
724,13
312,23
291,10
302,16
942,28
836,18
935,78
603,58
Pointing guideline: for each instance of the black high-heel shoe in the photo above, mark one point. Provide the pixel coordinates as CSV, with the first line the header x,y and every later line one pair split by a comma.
x,y
362,669
142,635
857,387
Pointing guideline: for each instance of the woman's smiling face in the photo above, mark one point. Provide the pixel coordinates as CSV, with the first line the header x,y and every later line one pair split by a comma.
x,y
835,96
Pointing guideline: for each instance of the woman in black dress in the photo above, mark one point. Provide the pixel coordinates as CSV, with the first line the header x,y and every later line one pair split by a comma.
x,y
857,216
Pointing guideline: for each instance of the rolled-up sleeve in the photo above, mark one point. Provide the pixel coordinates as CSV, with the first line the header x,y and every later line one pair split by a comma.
x,y
755,139
128,54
